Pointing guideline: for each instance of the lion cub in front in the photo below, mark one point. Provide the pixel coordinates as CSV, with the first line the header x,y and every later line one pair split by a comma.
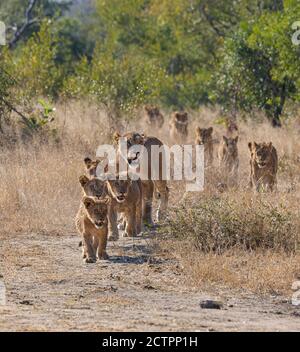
x,y
126,199
92,224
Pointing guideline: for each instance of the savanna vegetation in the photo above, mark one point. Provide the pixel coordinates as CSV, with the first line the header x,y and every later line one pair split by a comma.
x,y
181,54
73,70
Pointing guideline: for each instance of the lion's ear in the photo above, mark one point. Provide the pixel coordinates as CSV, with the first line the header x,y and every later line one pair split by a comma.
x,y
88,162
83,180
270,145
88,201
210,130
116,137
225,139
250,146
256,145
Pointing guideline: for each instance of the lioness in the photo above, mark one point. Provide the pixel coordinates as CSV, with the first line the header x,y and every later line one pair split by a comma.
x,y
179,126
229,160
91,222
204,137
264,166
93,187
153,116
150,184
126,199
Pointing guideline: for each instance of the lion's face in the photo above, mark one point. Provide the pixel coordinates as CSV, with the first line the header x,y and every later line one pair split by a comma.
x,y
92,187
230,145
152,112
119,188
132,139
97,211
204,135
181,121
262,153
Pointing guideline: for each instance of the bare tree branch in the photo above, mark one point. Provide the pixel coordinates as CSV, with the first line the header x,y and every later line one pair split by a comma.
x,y
28,22
12,108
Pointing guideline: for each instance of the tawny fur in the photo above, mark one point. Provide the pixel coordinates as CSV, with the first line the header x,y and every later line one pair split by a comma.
x,y
229,160
149,188
204,137
93,187
92,224
153,117
263,166
126,200
179,127
95,167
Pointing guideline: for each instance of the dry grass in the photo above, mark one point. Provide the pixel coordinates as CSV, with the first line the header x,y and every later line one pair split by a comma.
x,y
41,193
262,272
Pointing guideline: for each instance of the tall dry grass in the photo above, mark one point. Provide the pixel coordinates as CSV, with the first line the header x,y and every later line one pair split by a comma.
x,y
254,245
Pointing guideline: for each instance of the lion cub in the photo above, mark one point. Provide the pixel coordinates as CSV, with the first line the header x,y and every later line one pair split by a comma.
x,y
179,126
92,166
93,187
91,222
153,117
264,166
126,199
229,160
204,137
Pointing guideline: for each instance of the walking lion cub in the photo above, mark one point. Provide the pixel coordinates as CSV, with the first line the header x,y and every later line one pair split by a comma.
x,y
126,200
93,187
92,223
263,165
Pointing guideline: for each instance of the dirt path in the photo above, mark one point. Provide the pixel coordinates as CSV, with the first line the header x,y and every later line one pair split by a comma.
x,y
50,288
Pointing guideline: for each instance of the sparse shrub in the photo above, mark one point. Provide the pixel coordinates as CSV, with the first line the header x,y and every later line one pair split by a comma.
x,y
39,120
249,223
